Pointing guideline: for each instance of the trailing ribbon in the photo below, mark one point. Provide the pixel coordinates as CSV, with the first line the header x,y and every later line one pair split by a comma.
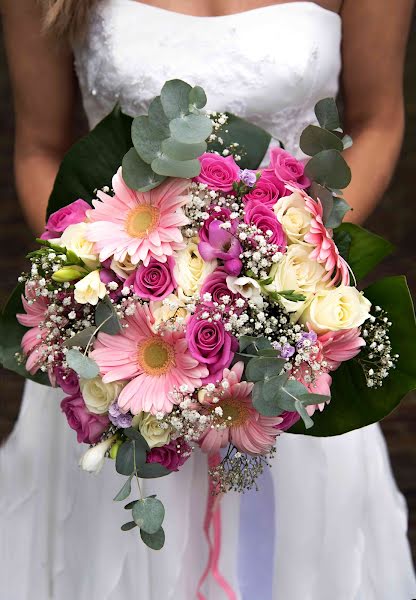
x,y
212,524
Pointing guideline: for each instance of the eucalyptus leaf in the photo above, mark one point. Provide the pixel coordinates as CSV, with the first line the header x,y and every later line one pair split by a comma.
x,y
308,399
106,317
264,403
325,196
191,129
148,514
339,210
347,142
366,249
179,151
326,112
82,338
134,434
83,365
155,541
315,139
130,505
197,97
175,98
147,140
137,174
128,526
259,343
329,169
307,421
152,471
260,368
164,165
125,491
157,118
130,456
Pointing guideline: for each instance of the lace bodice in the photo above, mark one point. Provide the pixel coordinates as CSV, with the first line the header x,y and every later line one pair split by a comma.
x,y
269,65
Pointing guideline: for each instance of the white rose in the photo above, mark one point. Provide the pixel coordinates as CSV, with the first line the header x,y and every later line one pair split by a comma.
x,y
90,289
166,309
343,307
247,287
151,429
123,268
293,216
93,459
99,395
296,271
191,270
74,238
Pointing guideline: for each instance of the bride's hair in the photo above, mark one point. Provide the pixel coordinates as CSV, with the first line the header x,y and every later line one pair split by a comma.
x,y
66,17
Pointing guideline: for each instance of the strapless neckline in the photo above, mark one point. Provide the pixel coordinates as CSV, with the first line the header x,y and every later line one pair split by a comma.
x,y
252,12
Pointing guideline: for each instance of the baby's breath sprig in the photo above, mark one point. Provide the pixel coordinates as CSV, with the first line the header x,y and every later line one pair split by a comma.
x,y
376,358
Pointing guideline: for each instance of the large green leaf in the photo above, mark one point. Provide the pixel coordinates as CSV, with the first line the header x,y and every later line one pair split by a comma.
x,y
366,249
353,404
11,333
253,141
92,161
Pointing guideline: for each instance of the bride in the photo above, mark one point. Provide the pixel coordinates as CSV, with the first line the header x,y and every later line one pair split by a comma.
x,y
328,523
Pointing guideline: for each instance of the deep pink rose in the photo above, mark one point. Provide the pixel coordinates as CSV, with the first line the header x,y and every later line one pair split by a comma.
x,y
68,215
264,219
216,285
67,380
172,455
154,282
289,419
210,344
89,427
269,189
218,172
287,168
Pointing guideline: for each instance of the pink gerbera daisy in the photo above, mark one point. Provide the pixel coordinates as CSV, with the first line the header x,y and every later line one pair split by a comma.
x,y
140,225
240,423
32,342
155,364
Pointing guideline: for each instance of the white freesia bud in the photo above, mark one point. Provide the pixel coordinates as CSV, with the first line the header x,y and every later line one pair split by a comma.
x,y
90,289
99,395
93,459
74,238
191,270
294,218
343,307
247,287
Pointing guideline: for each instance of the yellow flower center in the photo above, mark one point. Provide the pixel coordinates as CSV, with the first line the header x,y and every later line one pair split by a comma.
x,y
155,356
234,412
142,220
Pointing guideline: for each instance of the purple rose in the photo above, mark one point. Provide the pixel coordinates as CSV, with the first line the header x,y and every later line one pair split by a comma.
x,y
223,245
67,380
210,344
216,285
264,219
89,427
172,455
154,282
288,169
218,172
268,190
289,419
68,215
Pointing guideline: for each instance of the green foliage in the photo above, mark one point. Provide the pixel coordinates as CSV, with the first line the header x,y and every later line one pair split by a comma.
x,y
148,514
106,317
315,139
353,404
152,471
365,250
137,174
128,526
92,161
125,491
131,456
82,338
83,365
263,367
329,169
326,112
155,541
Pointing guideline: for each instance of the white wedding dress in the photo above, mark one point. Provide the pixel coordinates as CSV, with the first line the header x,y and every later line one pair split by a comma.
x,y
332,525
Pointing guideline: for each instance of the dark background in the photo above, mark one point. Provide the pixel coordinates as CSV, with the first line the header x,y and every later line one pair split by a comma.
x,y
395,219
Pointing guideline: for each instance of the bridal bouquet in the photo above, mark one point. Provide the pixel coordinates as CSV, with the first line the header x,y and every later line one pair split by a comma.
x,y
189,298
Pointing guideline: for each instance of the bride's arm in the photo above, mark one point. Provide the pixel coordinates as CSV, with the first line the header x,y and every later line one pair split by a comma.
x,y
43,89
374,43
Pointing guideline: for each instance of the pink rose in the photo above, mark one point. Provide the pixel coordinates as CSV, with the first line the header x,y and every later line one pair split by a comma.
x,y
68,215
210,344
89,427
264,219
216,285
268,190
67,380
154,282
287,168
172,455
289,419
218,172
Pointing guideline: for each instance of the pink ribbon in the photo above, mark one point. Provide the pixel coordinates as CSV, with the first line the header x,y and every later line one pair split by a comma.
x,y
212,524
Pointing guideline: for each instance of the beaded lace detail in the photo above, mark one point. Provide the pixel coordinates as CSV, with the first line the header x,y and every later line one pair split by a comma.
x,y
269,65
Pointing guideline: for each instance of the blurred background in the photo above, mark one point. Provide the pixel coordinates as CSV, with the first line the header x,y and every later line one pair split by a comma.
x,y
395,219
